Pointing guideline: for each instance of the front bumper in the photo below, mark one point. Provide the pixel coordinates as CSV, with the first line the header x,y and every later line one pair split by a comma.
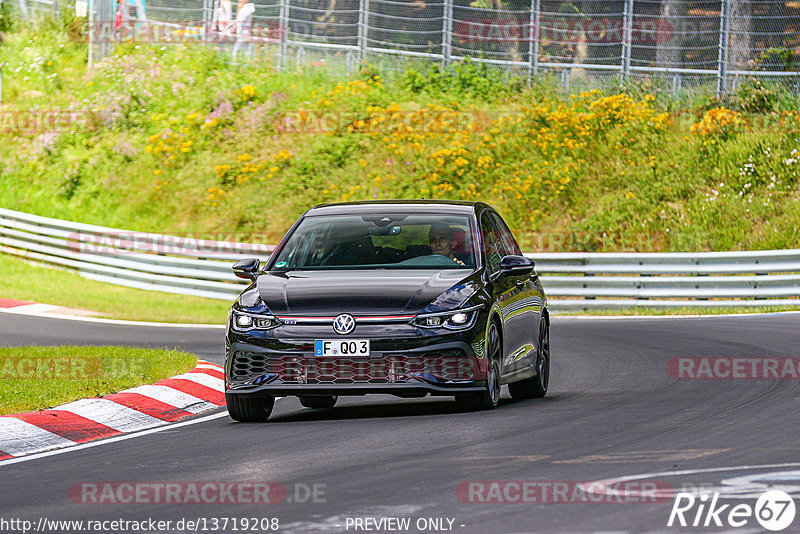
x,y
445,368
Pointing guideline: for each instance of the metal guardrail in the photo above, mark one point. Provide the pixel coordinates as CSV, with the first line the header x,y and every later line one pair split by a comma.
x,y
662,280
174,264
573,280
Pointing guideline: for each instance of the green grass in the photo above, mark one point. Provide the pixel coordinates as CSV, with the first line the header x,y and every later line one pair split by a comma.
x,y
36,378
23,281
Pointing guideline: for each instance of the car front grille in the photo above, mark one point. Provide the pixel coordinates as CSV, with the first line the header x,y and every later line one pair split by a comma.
x,y
443,365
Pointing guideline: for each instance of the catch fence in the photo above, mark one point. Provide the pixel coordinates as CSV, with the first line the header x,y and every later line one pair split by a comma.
x,y
660,45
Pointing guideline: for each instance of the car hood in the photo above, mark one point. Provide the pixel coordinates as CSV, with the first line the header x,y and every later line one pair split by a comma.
x,y
384,292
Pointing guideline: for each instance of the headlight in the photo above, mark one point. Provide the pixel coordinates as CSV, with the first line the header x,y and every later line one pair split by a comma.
x,y
251,321
452,320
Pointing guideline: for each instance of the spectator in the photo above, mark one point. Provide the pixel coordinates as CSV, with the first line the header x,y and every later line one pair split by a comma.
x,y
244,27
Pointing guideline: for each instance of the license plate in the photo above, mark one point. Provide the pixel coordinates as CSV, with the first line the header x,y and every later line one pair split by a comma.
x,y
341,347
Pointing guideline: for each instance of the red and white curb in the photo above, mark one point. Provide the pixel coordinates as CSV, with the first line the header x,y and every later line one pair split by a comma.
x,y
139,408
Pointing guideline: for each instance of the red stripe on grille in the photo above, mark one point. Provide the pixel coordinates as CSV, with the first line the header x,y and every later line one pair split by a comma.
x,y
195,389
149,406
68,425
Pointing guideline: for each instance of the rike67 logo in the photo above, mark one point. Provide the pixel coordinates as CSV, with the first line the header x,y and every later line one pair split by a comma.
x,y
774,511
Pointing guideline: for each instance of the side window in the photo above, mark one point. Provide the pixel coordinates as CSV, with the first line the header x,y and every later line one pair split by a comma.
x,y
510,245
492,244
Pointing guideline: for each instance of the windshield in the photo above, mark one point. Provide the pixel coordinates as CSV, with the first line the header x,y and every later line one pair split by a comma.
x,y
373,241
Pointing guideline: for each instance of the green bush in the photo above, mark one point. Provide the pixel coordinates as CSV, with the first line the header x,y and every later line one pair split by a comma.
x,y
753,97
467,78
6,18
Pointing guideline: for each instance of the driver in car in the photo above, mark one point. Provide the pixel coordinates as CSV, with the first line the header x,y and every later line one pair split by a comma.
x,y
442,242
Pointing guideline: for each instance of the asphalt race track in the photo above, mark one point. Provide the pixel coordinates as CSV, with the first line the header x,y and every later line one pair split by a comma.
x,y
612,411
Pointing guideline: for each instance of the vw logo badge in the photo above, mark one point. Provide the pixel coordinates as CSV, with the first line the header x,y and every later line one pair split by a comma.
x,y
344,324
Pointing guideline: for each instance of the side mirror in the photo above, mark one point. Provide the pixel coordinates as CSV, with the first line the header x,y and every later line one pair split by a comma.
x,y
512,265
247,268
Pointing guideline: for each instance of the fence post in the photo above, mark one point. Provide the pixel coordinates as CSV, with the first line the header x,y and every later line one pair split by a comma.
x,y
283,29
533,40
23,9
363,30
627,39
447,31
3,64
724,34
207,16
91,31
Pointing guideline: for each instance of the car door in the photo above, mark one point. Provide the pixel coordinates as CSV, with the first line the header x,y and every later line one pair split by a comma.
x,y
503,289
523,305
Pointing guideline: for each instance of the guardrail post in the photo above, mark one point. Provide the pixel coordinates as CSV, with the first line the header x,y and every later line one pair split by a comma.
x,y
363,30
283,32
627,39
533,40
724,34
447,31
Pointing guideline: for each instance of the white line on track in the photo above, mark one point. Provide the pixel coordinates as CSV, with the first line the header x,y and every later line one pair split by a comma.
x,y
108,321
698,471
112,440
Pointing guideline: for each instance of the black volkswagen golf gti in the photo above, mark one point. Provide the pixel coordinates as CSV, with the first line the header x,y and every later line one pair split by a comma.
x,y
406,298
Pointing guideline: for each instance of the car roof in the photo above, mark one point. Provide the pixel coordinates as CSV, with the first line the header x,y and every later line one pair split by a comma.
x,y
405,206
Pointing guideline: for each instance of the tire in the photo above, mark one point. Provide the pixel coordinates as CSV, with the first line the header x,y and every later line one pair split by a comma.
x,y
536,386
328,401
490,397
248,409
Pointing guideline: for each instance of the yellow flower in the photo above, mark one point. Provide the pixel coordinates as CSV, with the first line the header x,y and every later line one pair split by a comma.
x,y
248,92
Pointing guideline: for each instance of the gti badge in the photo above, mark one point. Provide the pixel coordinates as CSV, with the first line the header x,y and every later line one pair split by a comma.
x,y
344,324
